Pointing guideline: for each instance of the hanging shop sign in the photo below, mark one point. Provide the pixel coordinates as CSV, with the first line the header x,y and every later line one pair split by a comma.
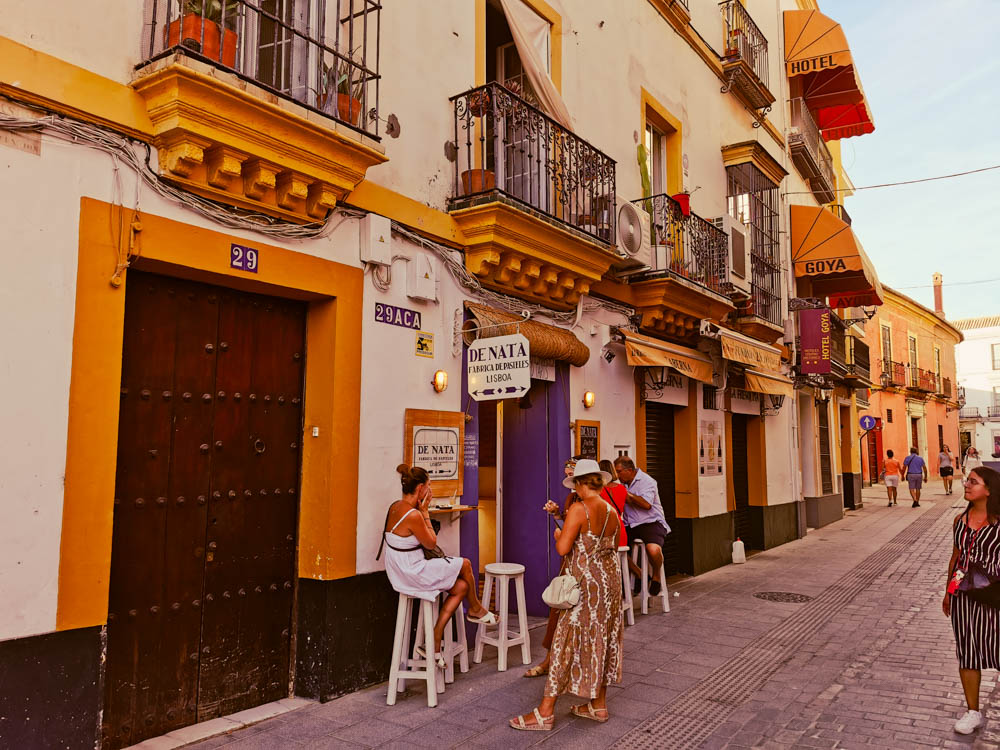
x,y
588,439
499,367
435,441
815,342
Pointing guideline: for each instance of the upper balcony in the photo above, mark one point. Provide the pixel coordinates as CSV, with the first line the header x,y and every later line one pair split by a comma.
x,y
921,380
969,412
744,60
810,154
993,412
944,388
536,201
838,208
858,362
263,106
895,373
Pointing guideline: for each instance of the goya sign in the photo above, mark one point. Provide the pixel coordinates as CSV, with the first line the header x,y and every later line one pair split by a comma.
x,y
815,341
499,367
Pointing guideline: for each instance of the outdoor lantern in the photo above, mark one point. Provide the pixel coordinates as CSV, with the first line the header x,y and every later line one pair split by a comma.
x,y
440,381
588,399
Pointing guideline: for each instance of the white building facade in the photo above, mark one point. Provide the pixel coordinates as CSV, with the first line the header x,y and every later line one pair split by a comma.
x,y
978,361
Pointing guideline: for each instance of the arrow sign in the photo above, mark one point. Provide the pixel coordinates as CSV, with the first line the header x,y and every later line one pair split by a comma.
x,y
867,422
499,367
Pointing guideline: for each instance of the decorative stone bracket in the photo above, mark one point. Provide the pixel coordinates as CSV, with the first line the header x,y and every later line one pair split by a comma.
x,y
670,307
228,140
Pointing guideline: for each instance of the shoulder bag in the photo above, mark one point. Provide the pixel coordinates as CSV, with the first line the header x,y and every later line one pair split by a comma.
x,y
563,591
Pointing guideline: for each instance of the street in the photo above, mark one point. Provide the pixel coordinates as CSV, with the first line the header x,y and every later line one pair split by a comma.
x,y
867,661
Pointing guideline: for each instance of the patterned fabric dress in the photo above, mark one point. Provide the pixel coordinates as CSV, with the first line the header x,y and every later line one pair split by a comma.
x,y
587,647
977,626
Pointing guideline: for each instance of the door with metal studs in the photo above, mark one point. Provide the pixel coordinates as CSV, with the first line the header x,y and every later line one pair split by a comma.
x,y
206,506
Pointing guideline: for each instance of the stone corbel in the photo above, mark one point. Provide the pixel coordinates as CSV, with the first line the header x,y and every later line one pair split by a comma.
x,y
259,179
482,262
182,157
530,271
321,200
292,191
510,268
547,278
224,166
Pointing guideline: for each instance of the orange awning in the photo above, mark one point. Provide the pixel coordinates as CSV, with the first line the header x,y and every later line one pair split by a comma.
x,y
645,351
816,51
769,382
826,251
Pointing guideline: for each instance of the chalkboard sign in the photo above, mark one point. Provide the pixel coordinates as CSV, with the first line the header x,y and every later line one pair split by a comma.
x,y
588,439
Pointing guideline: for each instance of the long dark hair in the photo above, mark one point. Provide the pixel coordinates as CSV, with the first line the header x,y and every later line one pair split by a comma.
x,y
991,479
411,477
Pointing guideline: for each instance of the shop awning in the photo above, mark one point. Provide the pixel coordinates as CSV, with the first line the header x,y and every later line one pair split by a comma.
x,y
766,382
745,350
816,52
644,351
547,341
827,252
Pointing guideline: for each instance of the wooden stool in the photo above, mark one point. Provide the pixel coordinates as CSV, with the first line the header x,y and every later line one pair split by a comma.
x,y
452,646
403,667
503,573
640,548
627,611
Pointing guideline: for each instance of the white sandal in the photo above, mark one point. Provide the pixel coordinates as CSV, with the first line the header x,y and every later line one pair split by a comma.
x,y
544,723
488,619
438,657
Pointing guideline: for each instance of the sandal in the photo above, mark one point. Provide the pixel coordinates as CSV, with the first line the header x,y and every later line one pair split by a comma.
x,y
544,723
488,619
438,658
537,671
589,712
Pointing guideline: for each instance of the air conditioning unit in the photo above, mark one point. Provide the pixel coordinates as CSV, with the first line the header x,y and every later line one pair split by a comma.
x,y
632,239
739,252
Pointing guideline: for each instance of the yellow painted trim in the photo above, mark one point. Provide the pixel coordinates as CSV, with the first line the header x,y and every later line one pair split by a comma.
x,y
370,196
328,505
686,456
756,461
662,118
673,12
753,152
730,481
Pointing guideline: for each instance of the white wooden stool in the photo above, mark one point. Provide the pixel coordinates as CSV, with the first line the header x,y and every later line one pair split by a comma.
x,y
452,646
403,667
502,573
627,611
639,549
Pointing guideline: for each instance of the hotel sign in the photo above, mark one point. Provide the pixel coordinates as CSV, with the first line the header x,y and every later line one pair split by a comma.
x,y
811,65
816,341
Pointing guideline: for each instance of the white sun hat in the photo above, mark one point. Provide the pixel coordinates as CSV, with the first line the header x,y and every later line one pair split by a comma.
x,y
583,467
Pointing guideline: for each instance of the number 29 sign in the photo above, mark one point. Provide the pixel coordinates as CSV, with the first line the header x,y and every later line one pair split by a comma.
x,y
243,258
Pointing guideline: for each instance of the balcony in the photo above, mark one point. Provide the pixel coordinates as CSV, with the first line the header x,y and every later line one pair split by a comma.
x,y
536,202
838,347
921,380
270,113
838,209
895,372
993,412
810,154
944,387
858,362
970,412
744,60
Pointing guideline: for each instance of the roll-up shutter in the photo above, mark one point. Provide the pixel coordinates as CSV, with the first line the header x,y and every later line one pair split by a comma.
x,y
660,466
741,484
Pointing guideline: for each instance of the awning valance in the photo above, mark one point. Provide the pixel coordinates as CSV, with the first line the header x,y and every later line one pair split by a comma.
x,y
745,350
816,51
827,252
547,341
766,382
644,351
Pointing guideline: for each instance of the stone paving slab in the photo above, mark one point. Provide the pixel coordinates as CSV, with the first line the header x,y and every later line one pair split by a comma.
x,y
874,667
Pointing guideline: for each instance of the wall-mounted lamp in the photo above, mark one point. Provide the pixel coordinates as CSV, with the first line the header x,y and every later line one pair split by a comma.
x,y
588,399
440,381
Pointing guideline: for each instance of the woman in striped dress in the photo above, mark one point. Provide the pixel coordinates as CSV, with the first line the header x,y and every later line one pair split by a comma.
x,y
976,625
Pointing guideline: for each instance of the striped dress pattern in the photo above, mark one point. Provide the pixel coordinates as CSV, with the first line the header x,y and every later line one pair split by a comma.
x,y
976,626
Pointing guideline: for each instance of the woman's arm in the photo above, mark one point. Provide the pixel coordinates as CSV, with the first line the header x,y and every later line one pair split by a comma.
x,y
571,529
420,523
946,604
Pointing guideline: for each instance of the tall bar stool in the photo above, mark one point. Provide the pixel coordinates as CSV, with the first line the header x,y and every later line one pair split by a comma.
x,y
452,646
503,573
403,667
639,550
627,610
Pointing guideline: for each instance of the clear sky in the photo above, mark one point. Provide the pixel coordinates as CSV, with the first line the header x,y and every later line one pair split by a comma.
x,y
932,77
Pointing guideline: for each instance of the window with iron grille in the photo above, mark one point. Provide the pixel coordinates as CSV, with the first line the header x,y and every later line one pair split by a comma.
x,y
995,351
753,200
710,397
888,415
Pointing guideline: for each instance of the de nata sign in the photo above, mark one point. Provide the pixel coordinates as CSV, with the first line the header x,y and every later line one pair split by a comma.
x,y
499,367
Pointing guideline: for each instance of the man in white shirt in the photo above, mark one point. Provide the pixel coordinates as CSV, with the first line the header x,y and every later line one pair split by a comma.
x,y
644,517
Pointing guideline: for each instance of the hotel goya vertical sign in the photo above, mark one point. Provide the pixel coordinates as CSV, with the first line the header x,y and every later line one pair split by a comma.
x,y
815,341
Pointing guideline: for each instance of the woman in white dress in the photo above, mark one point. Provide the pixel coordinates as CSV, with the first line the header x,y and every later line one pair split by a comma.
x,y
408,532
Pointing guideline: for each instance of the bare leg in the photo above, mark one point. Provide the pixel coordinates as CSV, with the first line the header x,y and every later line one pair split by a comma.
x,y
476,608
970,685
655,552
455,596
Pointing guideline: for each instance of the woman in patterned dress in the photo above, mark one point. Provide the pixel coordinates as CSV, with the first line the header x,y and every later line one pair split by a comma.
x,y
976,625
586,654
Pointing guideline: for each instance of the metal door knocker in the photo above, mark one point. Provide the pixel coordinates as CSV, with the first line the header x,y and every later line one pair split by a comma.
x,y
258,445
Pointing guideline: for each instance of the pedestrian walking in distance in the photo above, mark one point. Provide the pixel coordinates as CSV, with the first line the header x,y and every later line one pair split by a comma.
x,y
972,461
916,474
976,555
946,468
587,649
892,473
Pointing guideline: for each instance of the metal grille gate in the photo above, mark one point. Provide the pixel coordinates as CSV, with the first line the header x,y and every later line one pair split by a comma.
x,y
742,521
660,466
206,503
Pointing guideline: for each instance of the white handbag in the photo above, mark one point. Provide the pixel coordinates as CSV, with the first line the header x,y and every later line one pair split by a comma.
x,y
563,592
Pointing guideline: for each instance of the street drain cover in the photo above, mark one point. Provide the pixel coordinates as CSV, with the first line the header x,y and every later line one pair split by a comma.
x,y
783,596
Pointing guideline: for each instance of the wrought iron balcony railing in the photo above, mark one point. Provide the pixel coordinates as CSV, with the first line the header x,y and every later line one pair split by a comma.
x,y
506,146
838,347
743,39
810,152
839,211
993,412
323,55
858,359
944,387
687,245
969,412
921,380
896,372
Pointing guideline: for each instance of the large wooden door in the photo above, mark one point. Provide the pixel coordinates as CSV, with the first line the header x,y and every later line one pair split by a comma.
x,y
660,466
742,520
202,563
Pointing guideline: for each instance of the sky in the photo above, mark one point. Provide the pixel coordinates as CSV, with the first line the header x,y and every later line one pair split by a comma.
x,y
932,77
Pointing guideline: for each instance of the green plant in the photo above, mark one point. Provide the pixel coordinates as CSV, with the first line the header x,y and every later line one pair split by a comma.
x,y
212,10
647,188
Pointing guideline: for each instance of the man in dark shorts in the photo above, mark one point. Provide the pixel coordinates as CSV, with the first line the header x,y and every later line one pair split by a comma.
x,y
644,517
915,470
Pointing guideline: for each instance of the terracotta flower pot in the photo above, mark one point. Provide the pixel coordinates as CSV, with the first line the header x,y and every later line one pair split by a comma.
x,y
477,181
348,108
202,35
479,102
684,201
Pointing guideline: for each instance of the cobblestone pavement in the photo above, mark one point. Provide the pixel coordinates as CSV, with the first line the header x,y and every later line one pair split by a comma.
x,y
867,662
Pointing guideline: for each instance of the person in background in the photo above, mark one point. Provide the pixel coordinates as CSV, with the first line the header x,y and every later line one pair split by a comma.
x,y
972,460
616,495
644,518
976,534
946,468
915,469
892,472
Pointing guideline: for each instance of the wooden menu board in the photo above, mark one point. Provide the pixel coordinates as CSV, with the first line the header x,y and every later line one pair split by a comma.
x,y
435,440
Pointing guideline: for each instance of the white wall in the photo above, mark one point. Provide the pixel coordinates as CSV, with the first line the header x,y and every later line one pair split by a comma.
x,y
974,364
781,455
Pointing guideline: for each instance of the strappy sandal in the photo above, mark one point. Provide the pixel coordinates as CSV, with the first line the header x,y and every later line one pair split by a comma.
x,y
589,712
488,619
537,671
438,657
545,723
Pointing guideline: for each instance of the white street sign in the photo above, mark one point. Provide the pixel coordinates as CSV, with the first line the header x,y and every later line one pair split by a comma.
x,y
499,367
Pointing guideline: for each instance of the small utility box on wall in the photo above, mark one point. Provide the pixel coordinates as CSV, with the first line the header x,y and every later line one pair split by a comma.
x,y
376,240
421,278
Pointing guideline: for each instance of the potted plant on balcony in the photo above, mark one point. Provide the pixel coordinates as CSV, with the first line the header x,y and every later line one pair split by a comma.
x,y
345,85
734,42
199,28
